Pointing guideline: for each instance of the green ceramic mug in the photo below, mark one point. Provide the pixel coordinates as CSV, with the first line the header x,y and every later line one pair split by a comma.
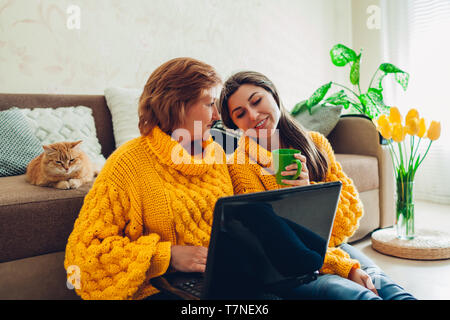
x,y
281,159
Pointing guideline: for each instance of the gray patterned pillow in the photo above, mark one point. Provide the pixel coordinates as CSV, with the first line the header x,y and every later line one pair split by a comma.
x,y
18,144
323,118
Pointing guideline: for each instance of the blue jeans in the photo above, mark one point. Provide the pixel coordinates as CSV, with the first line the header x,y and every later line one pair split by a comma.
x,y
334,287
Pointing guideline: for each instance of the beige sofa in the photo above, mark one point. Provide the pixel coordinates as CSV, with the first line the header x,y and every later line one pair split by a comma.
x,y
35,222
357,146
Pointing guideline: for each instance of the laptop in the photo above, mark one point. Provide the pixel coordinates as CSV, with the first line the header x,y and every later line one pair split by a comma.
x,y
262,243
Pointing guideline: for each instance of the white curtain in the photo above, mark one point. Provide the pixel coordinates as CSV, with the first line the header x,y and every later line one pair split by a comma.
x,y
416,38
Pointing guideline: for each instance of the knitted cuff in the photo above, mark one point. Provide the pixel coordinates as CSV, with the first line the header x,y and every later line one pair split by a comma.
x,y
353,265
340,265
160,260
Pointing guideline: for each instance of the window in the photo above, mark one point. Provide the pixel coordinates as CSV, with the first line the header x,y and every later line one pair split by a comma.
x,y
416,39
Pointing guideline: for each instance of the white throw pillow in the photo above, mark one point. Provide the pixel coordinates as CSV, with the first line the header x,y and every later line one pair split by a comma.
x,y
66,124
123,105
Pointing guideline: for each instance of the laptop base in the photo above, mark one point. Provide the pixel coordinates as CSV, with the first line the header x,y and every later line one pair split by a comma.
x,y
189,286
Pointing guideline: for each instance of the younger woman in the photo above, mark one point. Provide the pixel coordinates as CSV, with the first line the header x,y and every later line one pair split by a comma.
x,y
250,102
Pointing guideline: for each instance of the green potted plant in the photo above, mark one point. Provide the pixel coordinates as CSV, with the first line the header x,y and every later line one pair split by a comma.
x,y
369,103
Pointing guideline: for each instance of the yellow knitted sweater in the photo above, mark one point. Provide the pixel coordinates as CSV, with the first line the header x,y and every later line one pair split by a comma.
x,y
248,173
151,194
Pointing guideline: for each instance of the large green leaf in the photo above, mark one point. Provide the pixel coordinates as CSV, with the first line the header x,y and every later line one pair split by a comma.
x,y
317,96
354,71
299,107
378,79
401,76
338,99
355,108
367,103
341,55
389,68
373,104
377,97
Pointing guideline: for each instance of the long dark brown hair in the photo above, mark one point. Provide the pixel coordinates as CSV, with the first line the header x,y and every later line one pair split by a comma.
x,y
292,134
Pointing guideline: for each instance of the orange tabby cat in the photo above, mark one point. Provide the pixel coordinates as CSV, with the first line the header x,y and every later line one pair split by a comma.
x,y
62,165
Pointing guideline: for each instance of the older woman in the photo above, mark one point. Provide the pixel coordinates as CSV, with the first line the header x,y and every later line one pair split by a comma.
x,y
151,206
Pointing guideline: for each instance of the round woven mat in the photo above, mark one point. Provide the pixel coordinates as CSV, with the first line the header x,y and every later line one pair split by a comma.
x,y
427,245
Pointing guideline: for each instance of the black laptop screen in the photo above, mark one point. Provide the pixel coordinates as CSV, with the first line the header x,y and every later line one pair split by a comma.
x,y
261,241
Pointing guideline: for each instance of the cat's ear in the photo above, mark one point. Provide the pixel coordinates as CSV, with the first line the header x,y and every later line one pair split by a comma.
x,y
76,143
48,149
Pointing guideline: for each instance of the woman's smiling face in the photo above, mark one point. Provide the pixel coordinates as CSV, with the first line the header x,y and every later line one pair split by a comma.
x,y
254,111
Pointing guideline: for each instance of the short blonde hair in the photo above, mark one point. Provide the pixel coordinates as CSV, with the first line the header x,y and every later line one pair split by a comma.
x,y
170,90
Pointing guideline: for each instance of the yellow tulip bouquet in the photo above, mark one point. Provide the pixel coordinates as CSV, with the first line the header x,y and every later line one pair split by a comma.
x,y
406,158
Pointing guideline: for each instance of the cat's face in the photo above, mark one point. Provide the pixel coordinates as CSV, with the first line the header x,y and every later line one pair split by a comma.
x,y
63,158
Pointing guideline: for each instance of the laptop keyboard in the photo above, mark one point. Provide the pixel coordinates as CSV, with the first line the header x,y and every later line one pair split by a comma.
x,y
194,286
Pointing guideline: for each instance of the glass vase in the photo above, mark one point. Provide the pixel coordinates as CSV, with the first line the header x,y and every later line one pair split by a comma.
x,y
404,224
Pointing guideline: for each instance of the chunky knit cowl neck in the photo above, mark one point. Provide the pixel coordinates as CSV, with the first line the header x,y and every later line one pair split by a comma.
x,y
140,205
172,154
255,152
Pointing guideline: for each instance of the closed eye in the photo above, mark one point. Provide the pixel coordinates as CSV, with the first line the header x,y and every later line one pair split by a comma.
x,y
72,160
255,103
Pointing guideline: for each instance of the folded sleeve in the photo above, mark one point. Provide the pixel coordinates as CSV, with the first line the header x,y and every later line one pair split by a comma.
x,y
244,179
348,213
337,261
108,246
350,208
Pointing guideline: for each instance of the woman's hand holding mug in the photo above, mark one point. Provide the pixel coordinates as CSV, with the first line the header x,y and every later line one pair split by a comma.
x,y
290,167
303,178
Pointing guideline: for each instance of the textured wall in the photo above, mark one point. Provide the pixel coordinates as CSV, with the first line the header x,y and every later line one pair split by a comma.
x,y
119,43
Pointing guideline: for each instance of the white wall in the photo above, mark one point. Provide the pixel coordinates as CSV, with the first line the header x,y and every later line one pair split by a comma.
x,y
120,42
366,36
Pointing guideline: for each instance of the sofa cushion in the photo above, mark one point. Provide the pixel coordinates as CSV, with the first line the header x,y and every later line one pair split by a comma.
x,y
18,145
97,103
363,170
371,218
323,118
123,104
66,124
35,220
